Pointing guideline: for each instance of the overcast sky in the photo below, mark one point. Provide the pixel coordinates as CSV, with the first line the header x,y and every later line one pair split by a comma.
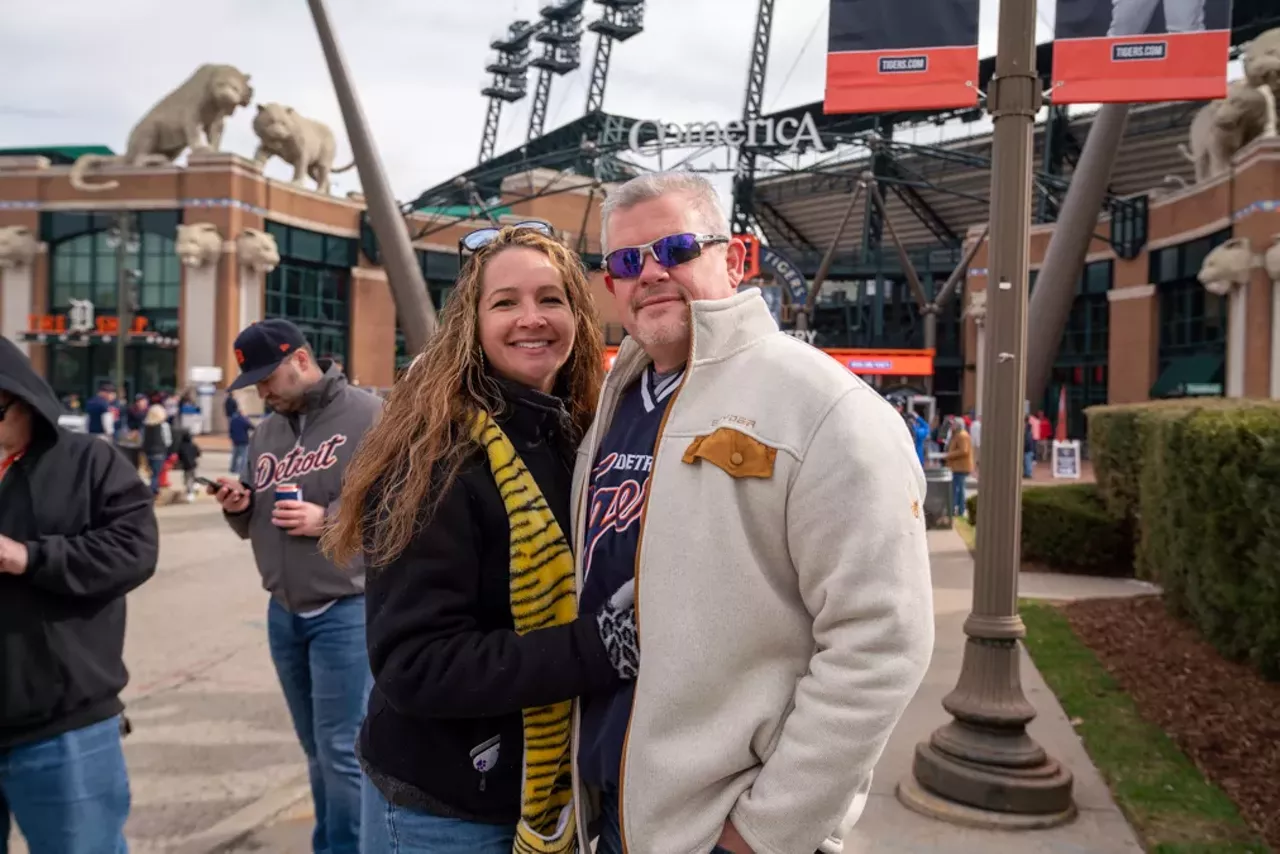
x,y
84,71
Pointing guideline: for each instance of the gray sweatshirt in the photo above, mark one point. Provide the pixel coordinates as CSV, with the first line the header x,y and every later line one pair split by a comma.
x,y
309,448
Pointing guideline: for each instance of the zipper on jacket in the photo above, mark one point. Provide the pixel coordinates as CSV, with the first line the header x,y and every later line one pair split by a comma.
x,y
592,442
644,512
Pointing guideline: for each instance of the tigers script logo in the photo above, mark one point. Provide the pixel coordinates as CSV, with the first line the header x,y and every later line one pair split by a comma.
x,y
297,463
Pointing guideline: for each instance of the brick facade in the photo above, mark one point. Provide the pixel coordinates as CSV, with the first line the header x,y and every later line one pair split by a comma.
x,y
230,192
1247,200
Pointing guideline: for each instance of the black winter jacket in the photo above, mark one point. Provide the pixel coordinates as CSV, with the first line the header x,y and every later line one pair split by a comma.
x,y
451,676
89,525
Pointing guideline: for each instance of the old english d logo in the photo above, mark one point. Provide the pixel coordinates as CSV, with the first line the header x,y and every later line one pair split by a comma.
x,y
284,348
239,356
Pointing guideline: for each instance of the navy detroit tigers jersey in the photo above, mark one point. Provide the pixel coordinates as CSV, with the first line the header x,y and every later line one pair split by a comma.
x,y
615,496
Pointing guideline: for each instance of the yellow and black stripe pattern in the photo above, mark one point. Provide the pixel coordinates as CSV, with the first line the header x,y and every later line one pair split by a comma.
x,y
542,594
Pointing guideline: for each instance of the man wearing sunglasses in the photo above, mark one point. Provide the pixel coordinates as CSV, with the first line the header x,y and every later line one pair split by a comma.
x,y
765,506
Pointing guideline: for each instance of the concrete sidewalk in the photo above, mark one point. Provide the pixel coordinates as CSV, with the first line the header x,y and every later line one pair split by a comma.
x,y
887,827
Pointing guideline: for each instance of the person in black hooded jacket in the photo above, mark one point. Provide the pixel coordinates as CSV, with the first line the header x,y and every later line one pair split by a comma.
x,y
77,532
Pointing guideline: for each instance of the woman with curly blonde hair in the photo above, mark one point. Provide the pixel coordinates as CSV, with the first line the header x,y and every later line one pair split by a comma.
x,y
458,500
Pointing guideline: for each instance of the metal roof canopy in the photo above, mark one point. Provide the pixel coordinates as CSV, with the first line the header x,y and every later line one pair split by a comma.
x,y
59,155
953,182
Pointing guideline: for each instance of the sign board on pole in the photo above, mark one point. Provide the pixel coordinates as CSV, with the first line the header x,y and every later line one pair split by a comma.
x,y
206,374
901,55
785,272
1134,51
1066,459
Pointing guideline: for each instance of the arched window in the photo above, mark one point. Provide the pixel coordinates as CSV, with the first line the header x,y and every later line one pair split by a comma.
x,y
84,266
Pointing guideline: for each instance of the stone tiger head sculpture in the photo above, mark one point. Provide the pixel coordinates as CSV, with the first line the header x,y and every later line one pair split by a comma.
x,y
257,250
1228,266
198,244
18,246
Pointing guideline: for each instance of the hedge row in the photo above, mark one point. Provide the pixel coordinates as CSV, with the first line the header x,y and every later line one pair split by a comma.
x,y
1067,528
1199,482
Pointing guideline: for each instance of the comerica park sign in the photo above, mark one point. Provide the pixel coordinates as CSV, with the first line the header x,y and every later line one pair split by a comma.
x,y
788,132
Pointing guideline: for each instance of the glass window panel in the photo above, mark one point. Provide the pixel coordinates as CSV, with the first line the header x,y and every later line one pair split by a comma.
x,y
103,293
1193,255
338,251
281,234
153,269
82,269
61,266
307,245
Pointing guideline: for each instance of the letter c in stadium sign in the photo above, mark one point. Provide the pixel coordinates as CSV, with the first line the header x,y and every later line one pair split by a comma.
x,y
791,132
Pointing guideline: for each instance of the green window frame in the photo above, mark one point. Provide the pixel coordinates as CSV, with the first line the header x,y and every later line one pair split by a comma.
x,y
1193,322
311,287
83,266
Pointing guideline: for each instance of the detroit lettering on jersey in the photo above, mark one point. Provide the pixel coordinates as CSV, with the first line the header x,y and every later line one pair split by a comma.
x,y
616,504
620,479
271,469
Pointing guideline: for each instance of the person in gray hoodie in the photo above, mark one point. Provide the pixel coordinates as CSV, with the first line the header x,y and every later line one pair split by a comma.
x,y
316,615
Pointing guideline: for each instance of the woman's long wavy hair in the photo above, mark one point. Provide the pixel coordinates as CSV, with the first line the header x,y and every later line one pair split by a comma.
x,y
409,459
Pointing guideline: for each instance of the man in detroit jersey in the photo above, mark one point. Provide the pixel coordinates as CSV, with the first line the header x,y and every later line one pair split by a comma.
x,y
780,636
316,616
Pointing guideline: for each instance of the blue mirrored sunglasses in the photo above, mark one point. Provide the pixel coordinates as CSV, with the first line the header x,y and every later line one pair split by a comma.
x,y
481,237
669,251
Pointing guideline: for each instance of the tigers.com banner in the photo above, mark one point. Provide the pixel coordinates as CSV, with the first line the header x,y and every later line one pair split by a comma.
x,y
1140,50
902,55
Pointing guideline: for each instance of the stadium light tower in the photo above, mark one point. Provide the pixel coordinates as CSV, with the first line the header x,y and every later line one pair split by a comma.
x,y
621,20
744,179
510,80
561,37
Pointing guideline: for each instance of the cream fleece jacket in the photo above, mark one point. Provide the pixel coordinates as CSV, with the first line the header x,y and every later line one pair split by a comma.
x,y
784,600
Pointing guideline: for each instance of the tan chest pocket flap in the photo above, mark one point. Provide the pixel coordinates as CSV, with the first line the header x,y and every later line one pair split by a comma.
x,y
733,451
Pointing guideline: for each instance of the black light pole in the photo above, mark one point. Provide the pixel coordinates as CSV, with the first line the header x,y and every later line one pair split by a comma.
x,y
983,768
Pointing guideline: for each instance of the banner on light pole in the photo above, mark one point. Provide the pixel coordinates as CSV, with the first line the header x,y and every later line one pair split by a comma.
x,y
901,55
1134,51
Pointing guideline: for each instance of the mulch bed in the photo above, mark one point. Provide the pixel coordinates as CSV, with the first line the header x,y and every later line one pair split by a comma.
x,y
1224,716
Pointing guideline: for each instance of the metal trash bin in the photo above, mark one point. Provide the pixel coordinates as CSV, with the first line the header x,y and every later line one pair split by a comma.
x,y
937,497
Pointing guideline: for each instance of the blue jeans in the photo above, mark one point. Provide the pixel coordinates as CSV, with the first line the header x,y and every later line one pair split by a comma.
x,y
69,794
610,841
1028,463
156,464
239,459
958,479
389,829
323,667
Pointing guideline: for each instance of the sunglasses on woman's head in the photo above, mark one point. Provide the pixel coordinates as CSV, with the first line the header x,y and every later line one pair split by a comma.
x,y
670,251
482,237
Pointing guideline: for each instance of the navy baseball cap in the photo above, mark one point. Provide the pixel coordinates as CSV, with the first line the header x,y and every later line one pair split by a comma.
x,y
261,347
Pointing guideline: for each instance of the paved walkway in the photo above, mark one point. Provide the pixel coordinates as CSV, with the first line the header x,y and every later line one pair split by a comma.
x,y
886,827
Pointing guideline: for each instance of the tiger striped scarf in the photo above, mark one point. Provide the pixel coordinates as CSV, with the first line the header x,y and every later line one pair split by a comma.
x,y
541,573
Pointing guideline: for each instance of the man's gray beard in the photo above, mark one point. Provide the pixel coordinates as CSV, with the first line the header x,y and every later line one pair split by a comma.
x,y
664,335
